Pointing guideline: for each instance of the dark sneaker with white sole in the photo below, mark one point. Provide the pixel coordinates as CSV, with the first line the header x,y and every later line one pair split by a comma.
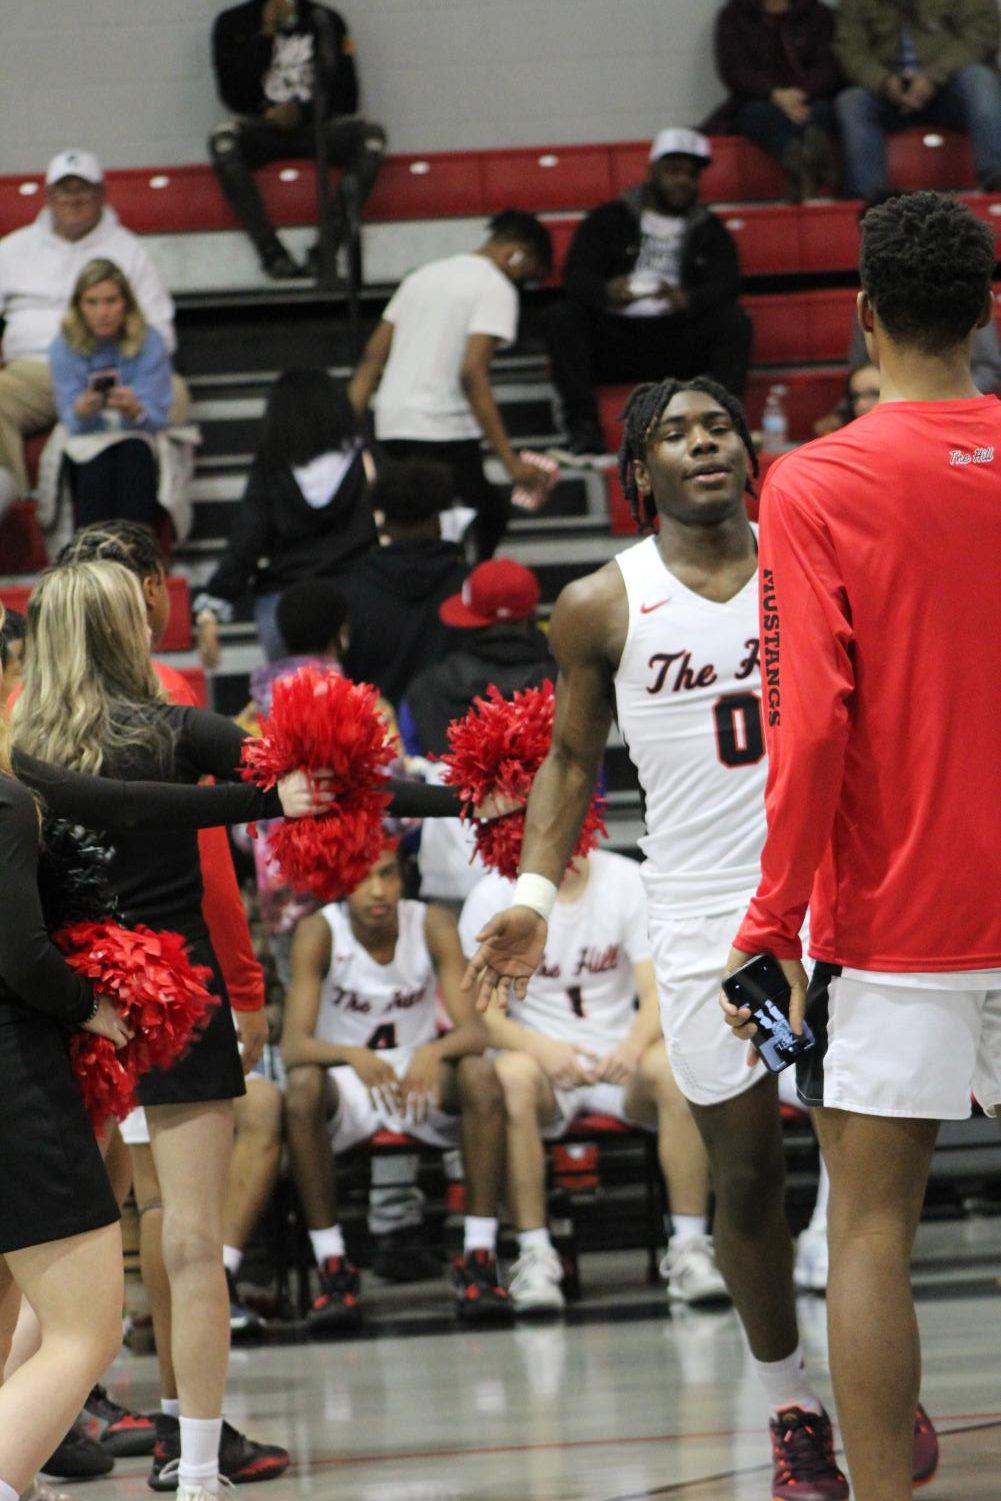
x,y
241,1460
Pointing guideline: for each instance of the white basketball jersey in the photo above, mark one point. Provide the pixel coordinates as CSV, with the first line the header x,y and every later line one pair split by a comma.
x,y
370,1005
583,991
688,696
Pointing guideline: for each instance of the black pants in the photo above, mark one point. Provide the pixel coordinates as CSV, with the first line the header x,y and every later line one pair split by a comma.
x,y
118,485
588,345
240,146
464,458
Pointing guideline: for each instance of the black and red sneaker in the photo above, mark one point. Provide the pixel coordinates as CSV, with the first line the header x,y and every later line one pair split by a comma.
x,y
335,1308
118,1429
924,1460
480,1298
803,1455
241,1460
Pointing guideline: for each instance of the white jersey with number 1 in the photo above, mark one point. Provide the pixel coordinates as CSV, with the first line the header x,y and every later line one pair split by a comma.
x,y
688,698
365,1004
583,991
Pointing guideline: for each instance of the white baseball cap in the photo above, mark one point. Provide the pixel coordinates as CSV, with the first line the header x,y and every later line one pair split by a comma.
x,y
74,163
680,142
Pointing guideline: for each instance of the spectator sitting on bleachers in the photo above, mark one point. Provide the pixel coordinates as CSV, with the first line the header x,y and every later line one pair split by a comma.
x,y
111,380
393,593
265,54
305,511
361,1047
777,61
586,1039
13,632
652,280
500,644
861,395
430,358
921,63
39,267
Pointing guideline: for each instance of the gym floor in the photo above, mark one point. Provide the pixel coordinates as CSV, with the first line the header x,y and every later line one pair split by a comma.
x,y
624,1400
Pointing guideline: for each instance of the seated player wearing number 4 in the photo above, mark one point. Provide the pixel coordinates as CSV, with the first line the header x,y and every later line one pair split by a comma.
x,y
361,1047
578,1044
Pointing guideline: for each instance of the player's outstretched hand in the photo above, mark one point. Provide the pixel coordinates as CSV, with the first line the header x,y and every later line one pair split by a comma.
x,y
510,951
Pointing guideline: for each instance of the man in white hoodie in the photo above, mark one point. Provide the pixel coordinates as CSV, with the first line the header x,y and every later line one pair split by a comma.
x,y
39,266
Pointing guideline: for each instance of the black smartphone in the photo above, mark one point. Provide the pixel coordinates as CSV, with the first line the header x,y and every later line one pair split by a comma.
x,y
102,381
760,985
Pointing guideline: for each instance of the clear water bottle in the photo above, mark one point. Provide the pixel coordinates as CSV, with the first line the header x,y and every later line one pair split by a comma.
x,y
774,422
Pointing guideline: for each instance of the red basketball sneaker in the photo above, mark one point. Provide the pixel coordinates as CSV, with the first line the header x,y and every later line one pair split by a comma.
x,y
803,1453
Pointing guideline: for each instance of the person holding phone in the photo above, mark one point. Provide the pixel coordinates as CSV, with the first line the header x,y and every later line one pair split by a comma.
x,y
111,376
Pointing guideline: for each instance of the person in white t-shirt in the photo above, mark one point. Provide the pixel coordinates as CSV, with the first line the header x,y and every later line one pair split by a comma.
x,y
430,359
360,1043
651,282
586,1038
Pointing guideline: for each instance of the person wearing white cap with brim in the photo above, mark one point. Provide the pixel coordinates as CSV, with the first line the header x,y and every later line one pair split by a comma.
x,y
39,267
651,282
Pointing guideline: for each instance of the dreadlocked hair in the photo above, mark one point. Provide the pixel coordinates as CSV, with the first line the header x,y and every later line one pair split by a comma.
x,y
114,541
643,411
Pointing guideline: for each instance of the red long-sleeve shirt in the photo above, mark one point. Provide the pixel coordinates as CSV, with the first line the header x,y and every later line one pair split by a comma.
x,y
222,905
880,560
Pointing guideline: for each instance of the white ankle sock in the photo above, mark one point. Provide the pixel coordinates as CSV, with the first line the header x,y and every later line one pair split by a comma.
x,y
529,1240
170,1407
7,1492
818,1220
327,1243
200,1452
786,1383
687,1227
231,1258
479,1234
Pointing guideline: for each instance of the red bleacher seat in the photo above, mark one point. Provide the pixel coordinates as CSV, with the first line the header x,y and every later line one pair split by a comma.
x,y
424,187
394,1141
611,400
22,546
828,236
767,239
797,327
809,394
988,207
15,596
546,178
929,157
177,636
197,681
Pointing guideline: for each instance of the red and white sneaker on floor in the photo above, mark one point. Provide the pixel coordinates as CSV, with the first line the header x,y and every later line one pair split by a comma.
x,y
803,1454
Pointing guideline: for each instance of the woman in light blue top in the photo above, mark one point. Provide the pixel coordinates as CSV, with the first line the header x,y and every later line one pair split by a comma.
x,y
111,377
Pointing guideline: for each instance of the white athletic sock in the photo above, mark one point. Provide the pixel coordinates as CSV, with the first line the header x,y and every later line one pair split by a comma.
x,y
327,1243
534,1240
686,1227
200,1452
231,1259
479,1234
818,1220
786,1383
7,1492
170,1407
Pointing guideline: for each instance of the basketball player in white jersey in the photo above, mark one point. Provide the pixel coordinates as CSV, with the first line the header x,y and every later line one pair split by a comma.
x,y
585,1039
361,1045
666,637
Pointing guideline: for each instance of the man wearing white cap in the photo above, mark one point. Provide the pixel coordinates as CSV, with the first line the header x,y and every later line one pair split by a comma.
x,y
39,266
652,280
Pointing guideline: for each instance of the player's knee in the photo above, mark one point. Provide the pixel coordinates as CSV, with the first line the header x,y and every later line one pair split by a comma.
x,y
306,1093
374,140
224,142
260,1109
479,1086
518,1075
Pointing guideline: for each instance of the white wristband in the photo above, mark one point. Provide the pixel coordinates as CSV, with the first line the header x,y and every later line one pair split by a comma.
x,y
536,892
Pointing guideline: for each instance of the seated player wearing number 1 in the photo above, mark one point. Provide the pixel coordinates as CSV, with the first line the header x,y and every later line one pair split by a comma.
x,y
361,1047
580,1043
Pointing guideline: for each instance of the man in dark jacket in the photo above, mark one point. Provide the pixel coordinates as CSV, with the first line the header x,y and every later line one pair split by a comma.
x,y
500,644
917,62
393,593
776,58
651,282
269,56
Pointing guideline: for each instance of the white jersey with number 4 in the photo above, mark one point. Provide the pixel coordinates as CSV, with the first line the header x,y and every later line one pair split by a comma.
x,y
364,1004
583,991
688,697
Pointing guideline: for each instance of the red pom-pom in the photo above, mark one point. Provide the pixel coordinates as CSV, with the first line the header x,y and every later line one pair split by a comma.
x,y
159,992
496,749
322,722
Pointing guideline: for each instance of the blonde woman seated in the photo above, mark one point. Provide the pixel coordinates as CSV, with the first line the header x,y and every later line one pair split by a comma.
x,y
111,377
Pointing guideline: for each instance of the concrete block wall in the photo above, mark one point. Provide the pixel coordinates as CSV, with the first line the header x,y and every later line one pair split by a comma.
x,y
132,79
